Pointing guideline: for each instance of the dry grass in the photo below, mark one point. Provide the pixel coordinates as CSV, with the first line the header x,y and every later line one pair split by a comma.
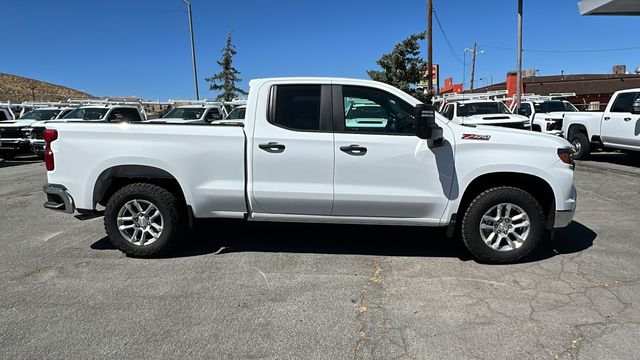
x,y
18,89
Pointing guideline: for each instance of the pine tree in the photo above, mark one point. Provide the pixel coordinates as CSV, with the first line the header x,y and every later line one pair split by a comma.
x,y
226,80
403,67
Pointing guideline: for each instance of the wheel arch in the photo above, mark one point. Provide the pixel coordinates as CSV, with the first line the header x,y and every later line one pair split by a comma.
x,y
114,178
577,128
538,187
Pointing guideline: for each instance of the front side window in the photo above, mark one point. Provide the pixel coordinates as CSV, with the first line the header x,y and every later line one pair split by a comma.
x,y
373,110
237,113
124,115
525,109
297,107
624,102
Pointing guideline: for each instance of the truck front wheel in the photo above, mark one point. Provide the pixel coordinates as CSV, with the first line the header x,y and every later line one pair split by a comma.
x,y
581,145
143,220
502,225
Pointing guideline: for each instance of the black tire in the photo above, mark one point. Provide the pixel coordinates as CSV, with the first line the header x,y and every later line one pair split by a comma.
x,y
173,216
581,145
470,227
8,155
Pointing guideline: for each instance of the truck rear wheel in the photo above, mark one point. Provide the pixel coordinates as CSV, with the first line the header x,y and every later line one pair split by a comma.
x,y
143,220
581,145
502,225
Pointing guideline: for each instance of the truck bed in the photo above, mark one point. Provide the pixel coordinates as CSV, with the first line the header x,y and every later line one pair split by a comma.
x,y
207,160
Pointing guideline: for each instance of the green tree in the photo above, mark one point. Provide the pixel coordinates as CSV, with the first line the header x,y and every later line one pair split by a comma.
x,y
226,80
403,67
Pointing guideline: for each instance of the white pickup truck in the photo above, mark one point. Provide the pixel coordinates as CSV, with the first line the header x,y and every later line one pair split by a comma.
x,y
618,127
298,158
484,112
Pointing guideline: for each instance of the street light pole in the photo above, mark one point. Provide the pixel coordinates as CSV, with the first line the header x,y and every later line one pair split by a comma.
x,y
193,50
519,71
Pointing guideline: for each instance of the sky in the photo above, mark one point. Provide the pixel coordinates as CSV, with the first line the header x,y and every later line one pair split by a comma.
x,y
141,47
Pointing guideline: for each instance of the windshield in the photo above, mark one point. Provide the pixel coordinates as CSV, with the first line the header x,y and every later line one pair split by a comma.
x,y
237,113
185,113
40,115
482,108
87,113
553,106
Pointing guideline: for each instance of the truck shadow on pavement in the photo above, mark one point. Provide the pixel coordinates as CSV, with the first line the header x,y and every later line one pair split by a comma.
x,y
618,158
225,236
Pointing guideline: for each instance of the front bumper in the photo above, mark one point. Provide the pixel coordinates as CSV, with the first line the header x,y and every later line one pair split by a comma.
x,y
14,144
37,147
564,217
58,198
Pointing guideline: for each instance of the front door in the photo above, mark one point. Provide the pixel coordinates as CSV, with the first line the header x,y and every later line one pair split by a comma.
x,y
381,168
619,125
293,152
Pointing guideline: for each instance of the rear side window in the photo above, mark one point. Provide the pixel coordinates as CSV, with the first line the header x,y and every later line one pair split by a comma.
x,y
297,107
623,102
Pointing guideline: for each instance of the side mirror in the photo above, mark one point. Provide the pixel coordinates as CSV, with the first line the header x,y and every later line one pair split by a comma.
x,y
426,127
635,107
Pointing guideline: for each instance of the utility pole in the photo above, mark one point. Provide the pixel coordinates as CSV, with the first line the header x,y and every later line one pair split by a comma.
x,y
519,71
473,64
193,50
429,48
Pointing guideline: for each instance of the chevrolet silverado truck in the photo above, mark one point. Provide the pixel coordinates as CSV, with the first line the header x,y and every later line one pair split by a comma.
x,y
298,158
16,133
618,127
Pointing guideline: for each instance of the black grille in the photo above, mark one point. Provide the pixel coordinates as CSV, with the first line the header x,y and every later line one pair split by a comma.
x,y
12,133
555,125
38,133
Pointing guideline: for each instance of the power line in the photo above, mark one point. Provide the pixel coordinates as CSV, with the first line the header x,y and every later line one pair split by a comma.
x,y
563,51
453,52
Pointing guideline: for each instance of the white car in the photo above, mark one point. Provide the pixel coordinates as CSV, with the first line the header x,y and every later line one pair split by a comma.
x,y
618,127
192,114
299,157
484,112
546,114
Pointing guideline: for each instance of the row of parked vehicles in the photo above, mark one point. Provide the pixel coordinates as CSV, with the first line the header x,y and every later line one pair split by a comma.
x,y
22,126
617,128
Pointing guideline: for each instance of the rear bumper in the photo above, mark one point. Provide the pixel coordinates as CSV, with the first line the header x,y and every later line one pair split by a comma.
x,y
58,198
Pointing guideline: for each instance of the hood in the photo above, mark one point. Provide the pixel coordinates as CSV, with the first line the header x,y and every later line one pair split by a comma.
x,y
491,119
17,123
511,138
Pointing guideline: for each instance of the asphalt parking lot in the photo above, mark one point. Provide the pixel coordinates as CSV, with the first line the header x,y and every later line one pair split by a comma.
x,y
293,291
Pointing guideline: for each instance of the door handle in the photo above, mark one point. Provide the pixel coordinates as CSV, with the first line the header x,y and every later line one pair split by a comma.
x,y
627,119
354,149
606,118
272,147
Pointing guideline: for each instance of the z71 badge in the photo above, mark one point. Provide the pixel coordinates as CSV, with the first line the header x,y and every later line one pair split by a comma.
x,y
475,137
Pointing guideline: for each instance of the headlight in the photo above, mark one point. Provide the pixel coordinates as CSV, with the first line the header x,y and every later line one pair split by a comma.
x,y
566,156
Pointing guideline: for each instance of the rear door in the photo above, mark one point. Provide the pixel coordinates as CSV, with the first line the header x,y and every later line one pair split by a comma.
x,y
292,152
381,168
619,126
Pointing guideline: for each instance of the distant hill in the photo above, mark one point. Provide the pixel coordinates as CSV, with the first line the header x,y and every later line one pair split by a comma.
x,y
18,89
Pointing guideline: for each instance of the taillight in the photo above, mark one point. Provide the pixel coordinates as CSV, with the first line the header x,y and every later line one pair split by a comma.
x,y
50,136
